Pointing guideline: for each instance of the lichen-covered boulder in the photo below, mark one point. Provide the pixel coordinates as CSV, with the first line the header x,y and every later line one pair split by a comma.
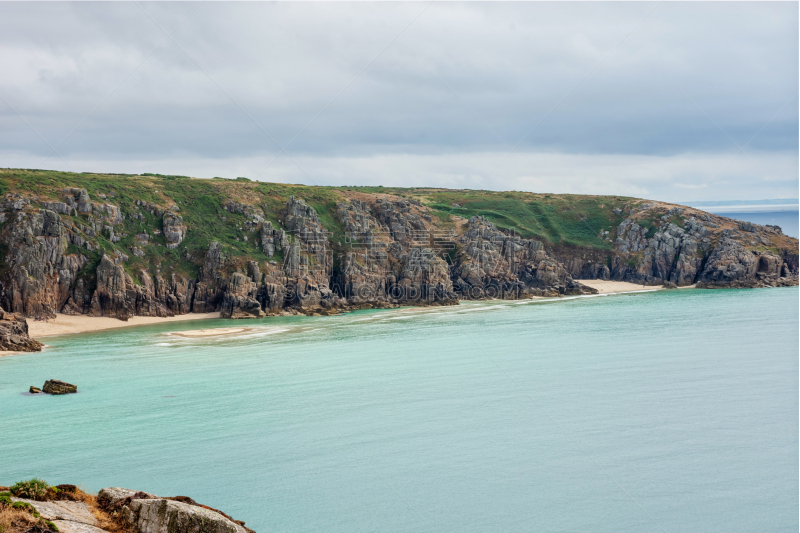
x,y
169,516
111,496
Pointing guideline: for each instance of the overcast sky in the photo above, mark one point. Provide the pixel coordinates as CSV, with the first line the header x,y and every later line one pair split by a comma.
x,y
674,101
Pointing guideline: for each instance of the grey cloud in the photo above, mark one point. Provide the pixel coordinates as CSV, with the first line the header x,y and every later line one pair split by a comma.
x,y
463,78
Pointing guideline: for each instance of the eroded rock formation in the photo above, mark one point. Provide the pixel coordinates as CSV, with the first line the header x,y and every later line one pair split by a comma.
x,y
14,334
373,250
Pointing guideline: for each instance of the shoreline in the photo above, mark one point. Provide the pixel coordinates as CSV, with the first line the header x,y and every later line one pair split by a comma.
x,y
75,324
71,324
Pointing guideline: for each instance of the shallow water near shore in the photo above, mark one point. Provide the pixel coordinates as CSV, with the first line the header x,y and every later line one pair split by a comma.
x,y
657,411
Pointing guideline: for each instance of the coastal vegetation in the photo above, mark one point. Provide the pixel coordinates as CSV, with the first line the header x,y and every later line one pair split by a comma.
x,y
33,506
150,244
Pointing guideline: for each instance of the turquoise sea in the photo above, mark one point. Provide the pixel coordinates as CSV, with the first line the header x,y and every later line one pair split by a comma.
x,y
659,411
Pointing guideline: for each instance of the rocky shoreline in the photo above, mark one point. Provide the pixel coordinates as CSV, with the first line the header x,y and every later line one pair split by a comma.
x,y
14,336
386,251
34,507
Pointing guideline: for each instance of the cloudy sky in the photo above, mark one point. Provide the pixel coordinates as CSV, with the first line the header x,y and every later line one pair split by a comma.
x,y
675,101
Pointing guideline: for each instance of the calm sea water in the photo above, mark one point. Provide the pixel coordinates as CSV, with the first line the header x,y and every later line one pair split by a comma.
x,y
662,411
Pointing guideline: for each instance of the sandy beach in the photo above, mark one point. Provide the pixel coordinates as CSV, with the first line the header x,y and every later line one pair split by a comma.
x,y
609,287
68,324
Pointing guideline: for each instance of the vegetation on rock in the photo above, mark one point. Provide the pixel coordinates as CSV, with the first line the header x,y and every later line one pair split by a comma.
x,y
32,489
159,245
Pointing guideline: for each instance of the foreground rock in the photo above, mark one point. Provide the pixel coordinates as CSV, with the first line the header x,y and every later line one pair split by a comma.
x,y
41,508
147,513
14,334
54,386
67,516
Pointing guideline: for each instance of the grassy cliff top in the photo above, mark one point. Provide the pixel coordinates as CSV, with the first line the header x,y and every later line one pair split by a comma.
x,y
571,223
570,219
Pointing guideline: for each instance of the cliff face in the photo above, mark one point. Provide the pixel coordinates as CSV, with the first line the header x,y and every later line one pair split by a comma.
x,y
691,247
250,250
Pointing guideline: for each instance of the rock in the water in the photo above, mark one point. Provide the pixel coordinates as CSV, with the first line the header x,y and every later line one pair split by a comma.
x,y
34,390
54,386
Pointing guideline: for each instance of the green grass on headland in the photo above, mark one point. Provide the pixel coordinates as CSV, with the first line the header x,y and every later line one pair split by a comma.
x,y
559,219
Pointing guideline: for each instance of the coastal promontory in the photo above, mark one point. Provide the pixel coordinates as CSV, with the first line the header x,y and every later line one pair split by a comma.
x,y
121,246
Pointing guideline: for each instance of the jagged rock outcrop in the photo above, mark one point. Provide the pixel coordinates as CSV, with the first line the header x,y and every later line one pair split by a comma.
x,y
14,334
79,199
210,289
118,296
272,239
40,276
272,297
731,265
240,298
148,513
497,264
111,298
168,516
54,386
687,254
308,258
174,230
425,277
309,255
391,259
365,273
671,255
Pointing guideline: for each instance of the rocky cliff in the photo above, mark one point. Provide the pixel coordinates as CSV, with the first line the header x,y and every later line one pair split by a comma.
x,y
122,246
14,334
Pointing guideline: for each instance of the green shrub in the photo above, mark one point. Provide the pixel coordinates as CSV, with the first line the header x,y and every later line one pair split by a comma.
x,y
51,525
27,507
5,500
33,489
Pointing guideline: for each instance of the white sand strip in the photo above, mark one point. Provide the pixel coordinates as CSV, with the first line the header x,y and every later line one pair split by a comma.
x,y
609,287
68,324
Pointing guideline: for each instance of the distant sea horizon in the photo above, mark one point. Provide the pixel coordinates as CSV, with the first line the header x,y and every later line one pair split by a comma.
x,y
783,212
